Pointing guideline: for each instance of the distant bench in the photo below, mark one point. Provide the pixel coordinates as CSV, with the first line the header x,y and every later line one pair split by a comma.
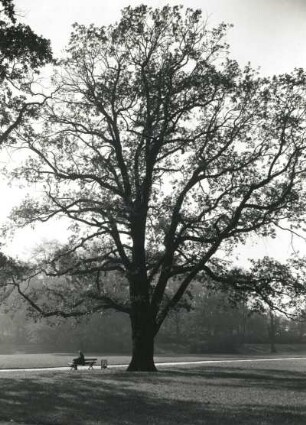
x,y
90,362
87,362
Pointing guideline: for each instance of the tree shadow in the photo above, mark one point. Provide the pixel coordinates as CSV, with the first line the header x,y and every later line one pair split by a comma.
x,y
66,398
239,376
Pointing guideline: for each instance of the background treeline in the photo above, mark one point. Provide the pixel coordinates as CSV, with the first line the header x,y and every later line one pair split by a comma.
x,y
208,323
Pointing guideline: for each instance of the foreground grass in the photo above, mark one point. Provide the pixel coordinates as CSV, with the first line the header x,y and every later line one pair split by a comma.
x,y
262,393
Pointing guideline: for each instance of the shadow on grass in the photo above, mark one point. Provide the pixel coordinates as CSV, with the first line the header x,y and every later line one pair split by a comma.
x,y
119,398
238,376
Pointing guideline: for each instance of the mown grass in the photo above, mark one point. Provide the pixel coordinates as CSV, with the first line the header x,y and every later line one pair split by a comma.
x,y
257,393
13,361
20,361
24,361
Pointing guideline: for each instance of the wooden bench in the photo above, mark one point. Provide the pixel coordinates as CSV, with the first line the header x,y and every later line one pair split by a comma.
x,y
87,362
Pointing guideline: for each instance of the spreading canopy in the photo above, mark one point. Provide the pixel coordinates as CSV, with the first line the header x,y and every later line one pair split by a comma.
x,y
163,153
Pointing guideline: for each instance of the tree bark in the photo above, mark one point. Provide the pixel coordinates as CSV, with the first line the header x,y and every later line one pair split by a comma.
x,y
143,342
142,321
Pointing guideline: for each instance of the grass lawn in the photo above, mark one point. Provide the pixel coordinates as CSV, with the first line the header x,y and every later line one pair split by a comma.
x,y
24,361
253,393
20,361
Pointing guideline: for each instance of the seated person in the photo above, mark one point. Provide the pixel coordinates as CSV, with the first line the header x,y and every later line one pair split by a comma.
x,y
79,360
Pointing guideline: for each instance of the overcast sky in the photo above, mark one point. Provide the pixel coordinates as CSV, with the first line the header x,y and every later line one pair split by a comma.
x,y
270,34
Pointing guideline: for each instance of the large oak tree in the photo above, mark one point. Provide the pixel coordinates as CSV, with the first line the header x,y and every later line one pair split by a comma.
x,y
164,155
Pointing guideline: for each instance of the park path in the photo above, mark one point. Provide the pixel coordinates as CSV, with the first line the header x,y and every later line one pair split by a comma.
x,y
159,364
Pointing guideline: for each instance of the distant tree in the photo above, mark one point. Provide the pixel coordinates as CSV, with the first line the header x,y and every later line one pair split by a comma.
x,y
164,155
21,53
272,329
12,273
267,286
212,324
273,289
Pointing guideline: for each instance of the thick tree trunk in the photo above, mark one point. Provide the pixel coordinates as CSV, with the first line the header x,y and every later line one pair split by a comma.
x,y
141,313
143,343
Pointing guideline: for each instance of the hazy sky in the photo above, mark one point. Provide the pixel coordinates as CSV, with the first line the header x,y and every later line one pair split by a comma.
x,y
270,34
